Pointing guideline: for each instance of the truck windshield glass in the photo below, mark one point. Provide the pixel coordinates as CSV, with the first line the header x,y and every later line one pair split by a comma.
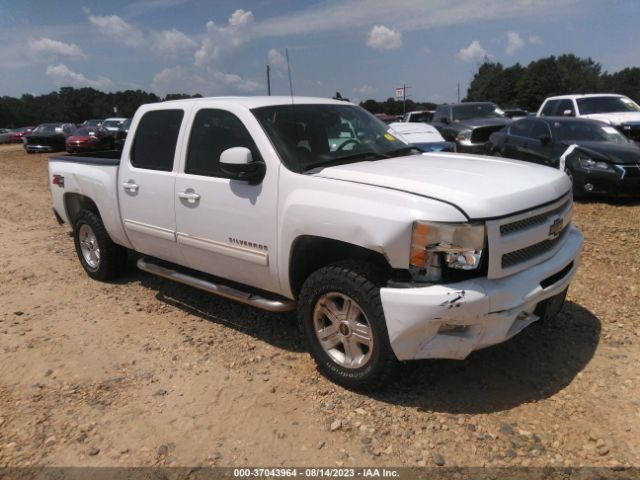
x,y
572,131
605,104
48,128
476,110
310,136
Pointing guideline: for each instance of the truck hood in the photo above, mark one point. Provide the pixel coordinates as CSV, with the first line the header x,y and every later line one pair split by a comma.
x,y
482,187
616,118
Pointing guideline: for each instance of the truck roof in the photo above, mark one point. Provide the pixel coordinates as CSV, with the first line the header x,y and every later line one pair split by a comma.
x,y
258,101
585,95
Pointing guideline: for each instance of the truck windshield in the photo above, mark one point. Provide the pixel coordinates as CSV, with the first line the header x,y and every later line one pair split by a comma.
x,y
310,136
606,104
476,110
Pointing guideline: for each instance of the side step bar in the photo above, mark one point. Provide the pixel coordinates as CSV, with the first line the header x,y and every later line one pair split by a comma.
x,y
271,305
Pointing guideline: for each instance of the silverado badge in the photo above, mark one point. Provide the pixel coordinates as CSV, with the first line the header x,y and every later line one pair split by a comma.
x,y
555,228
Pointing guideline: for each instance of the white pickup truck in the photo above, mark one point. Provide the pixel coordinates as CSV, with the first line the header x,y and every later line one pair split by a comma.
x,y
388,253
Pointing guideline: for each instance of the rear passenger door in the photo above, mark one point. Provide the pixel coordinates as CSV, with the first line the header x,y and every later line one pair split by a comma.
x,y
146,180
226,227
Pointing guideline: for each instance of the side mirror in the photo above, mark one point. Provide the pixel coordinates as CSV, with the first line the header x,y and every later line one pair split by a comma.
x,y
545,140
568,113
238,163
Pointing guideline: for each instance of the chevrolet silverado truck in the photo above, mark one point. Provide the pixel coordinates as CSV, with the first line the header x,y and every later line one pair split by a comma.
x,y
388,253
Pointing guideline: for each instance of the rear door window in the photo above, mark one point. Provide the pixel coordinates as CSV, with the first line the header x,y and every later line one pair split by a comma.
x,y
154,145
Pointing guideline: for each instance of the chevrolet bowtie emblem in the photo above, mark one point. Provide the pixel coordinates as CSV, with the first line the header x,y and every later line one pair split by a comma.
x,y
555,228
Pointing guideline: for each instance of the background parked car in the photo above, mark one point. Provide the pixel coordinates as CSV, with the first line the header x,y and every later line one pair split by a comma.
x,y
595,155
423,136
470,124
48,137
5,135
89,139
120,136
617,110
18,133
515,112
419,116
113,124
94,122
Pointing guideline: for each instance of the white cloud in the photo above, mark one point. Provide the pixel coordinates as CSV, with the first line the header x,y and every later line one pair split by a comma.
x,y
181,80
240,18
46,48
383,38
535,40
473,51
192,80
364,90
62,76
276,60
514,43
171,42
115,27
236,82
220,41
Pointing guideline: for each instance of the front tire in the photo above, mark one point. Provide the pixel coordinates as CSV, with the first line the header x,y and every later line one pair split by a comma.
x,y
341,316
99,256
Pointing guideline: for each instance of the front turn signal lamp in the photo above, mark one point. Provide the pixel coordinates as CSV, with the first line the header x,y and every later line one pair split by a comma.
x,y
436,246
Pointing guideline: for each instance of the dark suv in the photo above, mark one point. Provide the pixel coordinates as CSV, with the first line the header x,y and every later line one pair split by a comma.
x,y
469,124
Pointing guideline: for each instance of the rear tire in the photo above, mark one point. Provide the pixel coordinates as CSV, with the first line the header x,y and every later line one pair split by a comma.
x,y
343,323
99,256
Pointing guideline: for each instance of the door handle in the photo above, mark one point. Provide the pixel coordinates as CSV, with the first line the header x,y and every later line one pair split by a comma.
x,y
191,197
130,185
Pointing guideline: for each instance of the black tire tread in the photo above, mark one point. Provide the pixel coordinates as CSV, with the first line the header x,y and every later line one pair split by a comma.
x,y
369,279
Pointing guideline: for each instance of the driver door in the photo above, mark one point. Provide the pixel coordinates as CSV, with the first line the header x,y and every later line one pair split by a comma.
x,y
225,227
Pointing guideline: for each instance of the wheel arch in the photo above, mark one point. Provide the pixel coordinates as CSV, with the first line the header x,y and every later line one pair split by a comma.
x,y
75,202
309,253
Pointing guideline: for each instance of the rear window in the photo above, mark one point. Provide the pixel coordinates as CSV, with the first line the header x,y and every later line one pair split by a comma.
x,y
155,142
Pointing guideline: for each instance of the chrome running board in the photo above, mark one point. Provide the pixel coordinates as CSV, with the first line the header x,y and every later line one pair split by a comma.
x,y
254,300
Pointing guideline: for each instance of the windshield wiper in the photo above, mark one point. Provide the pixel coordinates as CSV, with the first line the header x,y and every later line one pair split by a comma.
x,y
348,159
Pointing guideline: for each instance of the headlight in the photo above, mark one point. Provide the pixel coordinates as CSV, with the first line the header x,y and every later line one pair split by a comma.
x,y
590,163
464,135
438,246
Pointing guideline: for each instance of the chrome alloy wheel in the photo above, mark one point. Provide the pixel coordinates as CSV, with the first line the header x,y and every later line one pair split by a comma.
x,y
343,330
89,246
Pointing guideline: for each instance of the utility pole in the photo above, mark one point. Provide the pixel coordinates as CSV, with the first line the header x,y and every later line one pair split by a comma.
x,y
268,81
404,96
458,92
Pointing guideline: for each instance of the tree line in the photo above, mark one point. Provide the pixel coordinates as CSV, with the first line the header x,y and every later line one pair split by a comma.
x,y
75,105
527,86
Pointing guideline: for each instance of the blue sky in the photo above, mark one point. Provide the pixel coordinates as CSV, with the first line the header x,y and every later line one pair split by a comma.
x,y
362,48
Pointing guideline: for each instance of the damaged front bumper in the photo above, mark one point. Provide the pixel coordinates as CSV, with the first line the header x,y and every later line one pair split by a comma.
x,y
451,321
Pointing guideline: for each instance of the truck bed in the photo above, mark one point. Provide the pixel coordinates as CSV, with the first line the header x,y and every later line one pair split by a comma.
x,y
109,157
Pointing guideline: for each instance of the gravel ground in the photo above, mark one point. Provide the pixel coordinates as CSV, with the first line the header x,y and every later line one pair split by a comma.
x,y
144,372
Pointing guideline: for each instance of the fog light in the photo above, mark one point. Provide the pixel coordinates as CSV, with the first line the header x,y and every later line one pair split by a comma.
x,y
448,328
588,187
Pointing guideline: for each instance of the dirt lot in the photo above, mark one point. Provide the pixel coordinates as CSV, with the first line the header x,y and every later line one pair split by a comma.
x,y
147,372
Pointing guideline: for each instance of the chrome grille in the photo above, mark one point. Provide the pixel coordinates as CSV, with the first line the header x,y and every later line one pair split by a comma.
x,y
526,223
525,254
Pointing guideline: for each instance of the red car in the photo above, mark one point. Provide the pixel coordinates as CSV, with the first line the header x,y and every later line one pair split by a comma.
x,y
18,133
89,139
